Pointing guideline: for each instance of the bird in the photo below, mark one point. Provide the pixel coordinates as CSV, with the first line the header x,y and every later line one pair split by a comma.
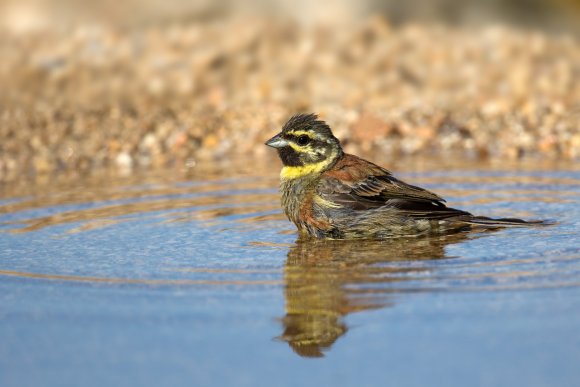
x,y
330,194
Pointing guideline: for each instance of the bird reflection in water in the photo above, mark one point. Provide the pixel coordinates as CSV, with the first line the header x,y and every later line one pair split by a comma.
x,y
325,280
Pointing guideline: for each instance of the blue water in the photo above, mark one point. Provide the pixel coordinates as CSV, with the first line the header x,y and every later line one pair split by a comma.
x,y
199,281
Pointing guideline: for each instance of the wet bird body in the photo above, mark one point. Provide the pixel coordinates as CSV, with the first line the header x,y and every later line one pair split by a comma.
x,y
327,193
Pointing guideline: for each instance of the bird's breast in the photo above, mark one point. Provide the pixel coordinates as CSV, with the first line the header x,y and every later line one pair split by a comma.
x,y
293,196
300,202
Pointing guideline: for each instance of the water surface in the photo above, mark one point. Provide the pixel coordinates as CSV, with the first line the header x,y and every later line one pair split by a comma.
x,y
198,279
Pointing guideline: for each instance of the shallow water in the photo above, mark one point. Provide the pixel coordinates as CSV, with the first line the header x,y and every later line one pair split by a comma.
x,y
198,279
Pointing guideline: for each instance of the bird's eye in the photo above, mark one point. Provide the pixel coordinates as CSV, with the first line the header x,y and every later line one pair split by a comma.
x,y
303,140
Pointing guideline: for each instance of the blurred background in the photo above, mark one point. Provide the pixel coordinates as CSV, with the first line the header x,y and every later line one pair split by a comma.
x,y
174,83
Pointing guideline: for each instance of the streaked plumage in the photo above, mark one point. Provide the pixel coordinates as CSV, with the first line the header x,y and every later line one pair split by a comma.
x,y
330,194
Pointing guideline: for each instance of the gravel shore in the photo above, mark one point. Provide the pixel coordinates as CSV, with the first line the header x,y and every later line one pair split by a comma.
x,y
179,94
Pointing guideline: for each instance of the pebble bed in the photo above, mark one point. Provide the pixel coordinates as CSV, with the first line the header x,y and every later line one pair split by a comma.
x,y
163,95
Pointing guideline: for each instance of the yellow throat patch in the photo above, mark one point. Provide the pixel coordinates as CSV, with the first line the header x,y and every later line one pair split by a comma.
x,y
291,173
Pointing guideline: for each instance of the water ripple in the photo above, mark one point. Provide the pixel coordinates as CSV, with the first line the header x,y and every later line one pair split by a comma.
x,y
231,231
163,231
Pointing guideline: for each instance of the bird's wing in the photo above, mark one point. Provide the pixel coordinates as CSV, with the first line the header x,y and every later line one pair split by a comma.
x,y
357,184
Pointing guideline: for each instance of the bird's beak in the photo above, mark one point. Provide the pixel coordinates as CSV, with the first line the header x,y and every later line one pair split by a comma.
x,y
277,141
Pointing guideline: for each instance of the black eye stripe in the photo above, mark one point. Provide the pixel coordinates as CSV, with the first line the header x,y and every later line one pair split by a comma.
x,y
294,137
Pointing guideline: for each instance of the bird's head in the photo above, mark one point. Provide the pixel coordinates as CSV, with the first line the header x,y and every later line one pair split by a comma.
x,y
306,144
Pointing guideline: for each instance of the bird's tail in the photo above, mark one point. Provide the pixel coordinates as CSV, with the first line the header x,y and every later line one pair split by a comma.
x,y
484,221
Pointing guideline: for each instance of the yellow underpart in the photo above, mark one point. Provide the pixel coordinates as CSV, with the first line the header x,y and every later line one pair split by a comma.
x,y
325,203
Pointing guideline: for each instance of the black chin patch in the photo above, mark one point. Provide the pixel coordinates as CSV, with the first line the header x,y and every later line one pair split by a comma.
x,y
289,157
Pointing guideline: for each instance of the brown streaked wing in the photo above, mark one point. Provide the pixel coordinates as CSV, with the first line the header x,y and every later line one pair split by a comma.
x,y
344,195
362,180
